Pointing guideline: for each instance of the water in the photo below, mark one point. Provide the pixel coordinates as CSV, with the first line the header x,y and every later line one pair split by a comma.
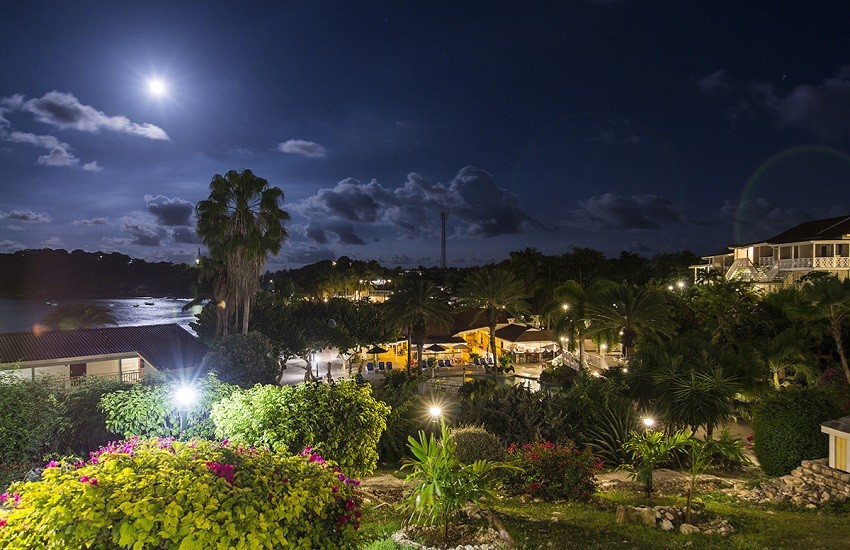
x,y
21,315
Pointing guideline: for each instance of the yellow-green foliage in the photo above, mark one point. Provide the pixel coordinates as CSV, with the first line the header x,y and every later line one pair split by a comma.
x,y
160,493
342,421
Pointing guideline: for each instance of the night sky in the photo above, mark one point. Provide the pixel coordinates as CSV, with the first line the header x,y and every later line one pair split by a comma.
x,y
645,126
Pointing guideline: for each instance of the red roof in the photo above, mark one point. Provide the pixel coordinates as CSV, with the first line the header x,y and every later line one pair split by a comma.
x,y
165,347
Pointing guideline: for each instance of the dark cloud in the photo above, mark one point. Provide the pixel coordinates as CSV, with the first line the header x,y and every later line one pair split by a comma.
x,y
305,253
638,212
59,152
91,222
761,218
142,233
185,235
26,216
170,211
715,83
65,111
302,147
613,132
10,246
476,206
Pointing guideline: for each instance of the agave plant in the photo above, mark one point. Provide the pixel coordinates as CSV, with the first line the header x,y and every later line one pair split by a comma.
x,y
609,433
444,485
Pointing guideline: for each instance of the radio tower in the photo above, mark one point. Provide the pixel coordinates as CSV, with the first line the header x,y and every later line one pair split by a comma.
x,y
443,215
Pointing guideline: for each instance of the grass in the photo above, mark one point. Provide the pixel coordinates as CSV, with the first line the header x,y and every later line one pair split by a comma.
x,y
565,525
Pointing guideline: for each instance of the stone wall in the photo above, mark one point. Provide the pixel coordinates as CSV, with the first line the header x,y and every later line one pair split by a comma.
x,y
811,485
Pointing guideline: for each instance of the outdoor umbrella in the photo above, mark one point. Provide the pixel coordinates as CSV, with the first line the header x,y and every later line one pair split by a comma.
x,y
375,351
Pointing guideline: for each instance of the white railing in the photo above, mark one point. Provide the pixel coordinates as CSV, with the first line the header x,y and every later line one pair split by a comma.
x,y
796,263
742,263
127,377
832,263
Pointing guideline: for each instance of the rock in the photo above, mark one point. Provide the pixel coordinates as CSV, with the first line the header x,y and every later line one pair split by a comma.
x,y
632,514
688,529
666,525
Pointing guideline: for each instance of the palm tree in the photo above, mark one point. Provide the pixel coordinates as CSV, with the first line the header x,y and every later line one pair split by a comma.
x,y
416,302
826,299
74,316
242,223
784,356
492,291
569,310
631,312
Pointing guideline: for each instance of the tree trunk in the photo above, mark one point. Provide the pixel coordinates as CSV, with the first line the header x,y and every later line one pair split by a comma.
x,y
409,350
246,314
839,343
581,360
493,348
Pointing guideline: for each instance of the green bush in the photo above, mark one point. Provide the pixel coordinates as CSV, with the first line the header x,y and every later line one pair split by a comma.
x,y
475,443
786,428
86,423
341,421
161,493
400,391
31,417
552,471
244,360
148,408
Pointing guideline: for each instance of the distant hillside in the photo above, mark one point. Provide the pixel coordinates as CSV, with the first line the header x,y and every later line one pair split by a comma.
x,y
57,273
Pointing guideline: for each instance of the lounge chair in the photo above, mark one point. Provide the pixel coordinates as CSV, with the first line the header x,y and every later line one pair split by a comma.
x,y
370,367
475,362
441,363
380,365
389,365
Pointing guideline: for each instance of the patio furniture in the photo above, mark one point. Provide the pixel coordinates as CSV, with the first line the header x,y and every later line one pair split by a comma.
x,y
370,367
381,366
389,365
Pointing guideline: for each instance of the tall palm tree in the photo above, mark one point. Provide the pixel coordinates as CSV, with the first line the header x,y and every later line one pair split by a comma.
x,y
787,355
492,291
631,312
242,223
569,310
415,303
74,316
826,299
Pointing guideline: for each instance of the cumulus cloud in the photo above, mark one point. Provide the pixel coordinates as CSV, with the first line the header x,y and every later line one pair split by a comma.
x,y
822,109
761,218
63,110
13,227
170,211
141,233
185,235
476,206
10,246
26,216
52,242
638,212
91,222
302,147
59,151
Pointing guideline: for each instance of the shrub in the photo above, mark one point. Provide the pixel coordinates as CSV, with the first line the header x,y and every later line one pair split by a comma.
x,y
609,431
31,417
786,425
553,471
342,421
475,443
148,409
399,391
244,360
86,423
161,493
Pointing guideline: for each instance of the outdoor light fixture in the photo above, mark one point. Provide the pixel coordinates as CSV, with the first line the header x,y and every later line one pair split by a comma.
x,y
681,284
565,307
185,396
649,422
435,411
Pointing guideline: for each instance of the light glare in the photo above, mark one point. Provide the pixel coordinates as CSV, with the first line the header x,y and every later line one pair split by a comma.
x,y
156,87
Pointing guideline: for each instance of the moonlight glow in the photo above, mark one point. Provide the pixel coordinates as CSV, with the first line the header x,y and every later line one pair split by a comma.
x,y
156,87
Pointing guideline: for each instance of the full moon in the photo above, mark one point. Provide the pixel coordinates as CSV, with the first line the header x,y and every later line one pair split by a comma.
x,y
156,87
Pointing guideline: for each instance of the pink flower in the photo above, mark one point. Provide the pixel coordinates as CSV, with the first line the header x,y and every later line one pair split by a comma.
x,y
335,489
84,479
2,522
52,464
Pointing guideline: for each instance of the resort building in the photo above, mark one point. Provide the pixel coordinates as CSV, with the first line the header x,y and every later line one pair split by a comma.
x,y
116,353
814,246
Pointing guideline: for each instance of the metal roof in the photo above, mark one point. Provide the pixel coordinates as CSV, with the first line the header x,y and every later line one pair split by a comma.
x,y
815,230
165,347
841,424
522,333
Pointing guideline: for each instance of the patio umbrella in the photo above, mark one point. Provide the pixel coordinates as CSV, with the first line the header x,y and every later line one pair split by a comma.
x,y
375,351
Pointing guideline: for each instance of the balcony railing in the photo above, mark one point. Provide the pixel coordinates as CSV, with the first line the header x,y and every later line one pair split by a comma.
x,y
127,377
839,262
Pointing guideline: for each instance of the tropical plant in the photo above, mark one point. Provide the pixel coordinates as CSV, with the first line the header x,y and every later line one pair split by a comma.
x,y
569,311
553,471
442,484
79,315
826,300
701,457
32,417
415,304
85,425
342,421
785,359
241,223
400,391
161,493
649,449
493,292
244,360
609,432
630,312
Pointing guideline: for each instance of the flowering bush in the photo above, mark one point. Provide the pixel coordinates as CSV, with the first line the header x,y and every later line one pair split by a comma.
x,y
161,493
553,471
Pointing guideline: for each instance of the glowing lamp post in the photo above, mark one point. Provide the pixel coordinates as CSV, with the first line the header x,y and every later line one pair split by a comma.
x,y
436,413
649,422
185,398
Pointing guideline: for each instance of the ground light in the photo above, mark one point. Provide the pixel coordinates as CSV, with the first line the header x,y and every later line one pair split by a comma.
x,y
649,422
185,397
436,412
